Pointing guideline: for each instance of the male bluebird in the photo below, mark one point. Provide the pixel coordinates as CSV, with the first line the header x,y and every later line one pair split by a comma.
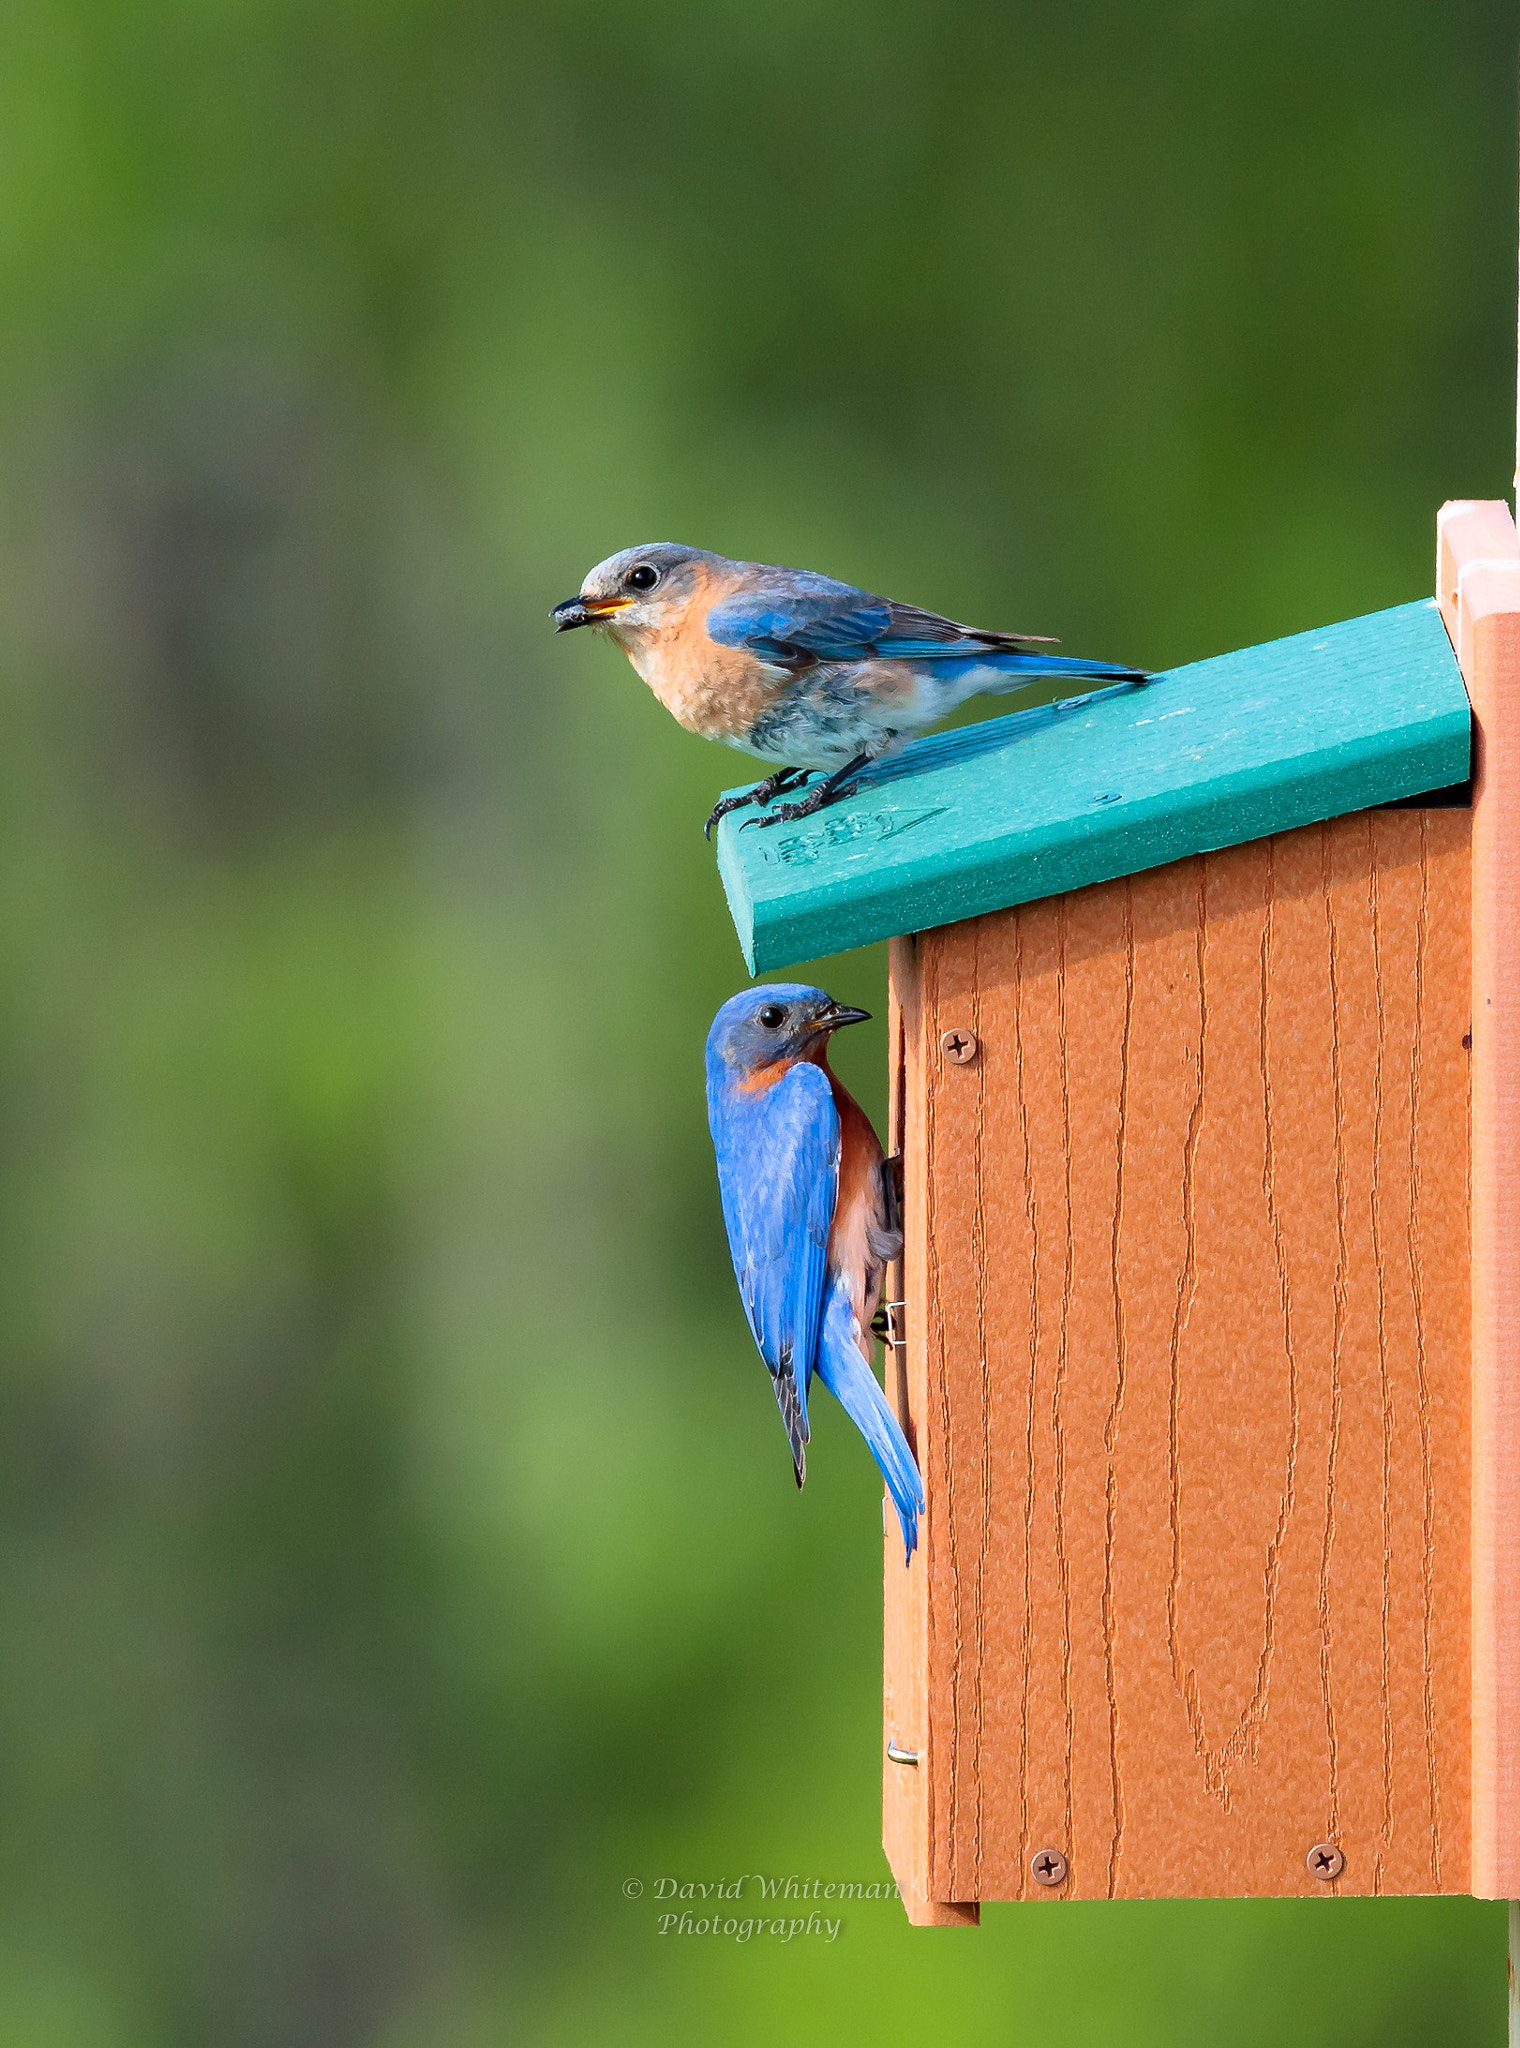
x,y
810,1216
797,668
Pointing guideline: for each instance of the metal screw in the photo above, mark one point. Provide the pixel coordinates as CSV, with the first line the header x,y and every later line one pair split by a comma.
x,y
1325,1862
897,1754
959,1045
1049,1867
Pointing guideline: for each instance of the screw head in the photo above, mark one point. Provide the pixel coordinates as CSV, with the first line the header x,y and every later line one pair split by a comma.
x,y
959,1045
1048,1867
1325,1862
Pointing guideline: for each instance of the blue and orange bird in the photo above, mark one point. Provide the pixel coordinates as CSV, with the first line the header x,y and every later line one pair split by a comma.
x,y
810,1216
797,668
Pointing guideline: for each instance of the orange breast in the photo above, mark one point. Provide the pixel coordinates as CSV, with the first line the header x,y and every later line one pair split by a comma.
x,y
719,692
858,1203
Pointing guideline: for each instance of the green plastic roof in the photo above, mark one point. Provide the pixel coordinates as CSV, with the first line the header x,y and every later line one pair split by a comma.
x,y
1041,801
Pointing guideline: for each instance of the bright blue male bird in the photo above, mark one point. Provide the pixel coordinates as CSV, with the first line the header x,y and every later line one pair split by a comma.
x,y
797,668
810,1216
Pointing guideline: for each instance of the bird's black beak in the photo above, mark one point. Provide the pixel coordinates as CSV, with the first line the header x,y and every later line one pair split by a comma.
x,y
586,611
837,1015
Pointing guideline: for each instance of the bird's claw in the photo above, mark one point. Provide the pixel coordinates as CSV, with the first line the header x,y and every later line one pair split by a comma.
x,y
885,1325
784,778
805,807
721,809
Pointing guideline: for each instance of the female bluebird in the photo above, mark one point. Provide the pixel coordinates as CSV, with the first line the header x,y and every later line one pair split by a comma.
x,y
797,668
809,1216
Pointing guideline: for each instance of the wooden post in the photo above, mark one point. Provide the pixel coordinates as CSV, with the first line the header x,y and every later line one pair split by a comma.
x,y
1478,571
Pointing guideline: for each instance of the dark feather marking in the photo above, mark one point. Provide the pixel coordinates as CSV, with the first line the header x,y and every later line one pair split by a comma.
x,y
884,1231
933,626
796,1422
892,1192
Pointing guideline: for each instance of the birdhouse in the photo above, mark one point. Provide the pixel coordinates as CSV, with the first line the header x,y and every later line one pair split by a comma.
x,y
1205,1071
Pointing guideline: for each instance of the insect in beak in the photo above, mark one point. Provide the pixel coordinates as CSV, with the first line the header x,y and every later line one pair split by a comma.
x,y
585,611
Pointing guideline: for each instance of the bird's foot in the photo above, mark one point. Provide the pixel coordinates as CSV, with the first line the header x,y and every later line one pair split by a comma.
x,y
886,1324
784,778
723,806
817,799
826,791
840,783
761,793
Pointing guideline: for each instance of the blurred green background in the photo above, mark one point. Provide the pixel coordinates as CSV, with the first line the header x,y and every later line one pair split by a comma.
x,y
399,1547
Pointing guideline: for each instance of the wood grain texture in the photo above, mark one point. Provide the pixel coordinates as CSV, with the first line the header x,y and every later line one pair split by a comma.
x,y
1479,580
1025,806
1188,1366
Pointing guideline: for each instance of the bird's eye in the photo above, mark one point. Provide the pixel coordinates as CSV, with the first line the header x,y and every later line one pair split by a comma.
x,y
643,577
771,1015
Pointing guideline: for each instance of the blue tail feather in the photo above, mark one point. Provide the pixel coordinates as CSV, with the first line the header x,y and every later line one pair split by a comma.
x,y
843,1370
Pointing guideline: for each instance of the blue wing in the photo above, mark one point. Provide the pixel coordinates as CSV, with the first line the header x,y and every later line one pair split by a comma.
x,y
807,618
778,1172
